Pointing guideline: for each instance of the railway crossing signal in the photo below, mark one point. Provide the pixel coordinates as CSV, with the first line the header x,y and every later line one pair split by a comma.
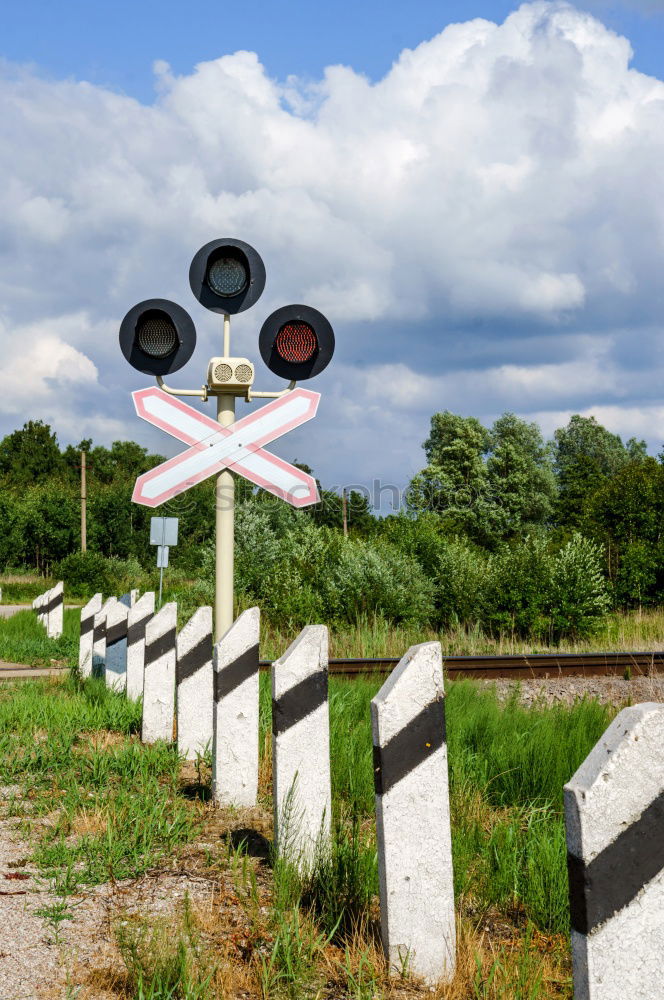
x,y
238,447
296,342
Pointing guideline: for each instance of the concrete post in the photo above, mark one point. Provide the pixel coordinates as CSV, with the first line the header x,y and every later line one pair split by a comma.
x,y
159,682
301,748
38,605
413,817
235,740
193,674
99,638
614,813
55,611
116,647
88,613
138,618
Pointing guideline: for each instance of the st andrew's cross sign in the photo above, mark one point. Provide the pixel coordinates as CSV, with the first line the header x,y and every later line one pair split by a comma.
x,y
213,447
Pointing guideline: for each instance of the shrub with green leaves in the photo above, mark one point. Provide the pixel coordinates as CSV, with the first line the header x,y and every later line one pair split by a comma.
x,y
463,576
520,587
376,578
580,595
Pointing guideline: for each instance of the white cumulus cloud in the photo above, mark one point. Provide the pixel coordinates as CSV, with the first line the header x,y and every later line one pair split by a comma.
x,y
500,189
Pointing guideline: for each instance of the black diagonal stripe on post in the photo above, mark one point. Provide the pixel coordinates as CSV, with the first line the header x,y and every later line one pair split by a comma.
x,y
299,701
52,605
194,659
162,644
136,631
116,632
87,625
409,747
619,872
240,670
99,631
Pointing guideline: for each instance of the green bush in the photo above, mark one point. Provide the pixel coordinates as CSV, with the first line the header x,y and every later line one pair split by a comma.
x,y
84,573
463,576
580,595
636,579
519,591
368,578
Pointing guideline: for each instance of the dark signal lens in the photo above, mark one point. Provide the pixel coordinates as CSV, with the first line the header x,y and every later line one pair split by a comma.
x,y
157,336
296,342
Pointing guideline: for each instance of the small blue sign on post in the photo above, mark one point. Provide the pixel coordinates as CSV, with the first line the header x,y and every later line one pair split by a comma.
x,y
163,533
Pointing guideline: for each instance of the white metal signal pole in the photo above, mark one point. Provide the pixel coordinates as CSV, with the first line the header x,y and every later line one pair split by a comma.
x,y
225,516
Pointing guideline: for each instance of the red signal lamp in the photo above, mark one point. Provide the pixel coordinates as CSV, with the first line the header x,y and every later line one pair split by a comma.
x,y
296,342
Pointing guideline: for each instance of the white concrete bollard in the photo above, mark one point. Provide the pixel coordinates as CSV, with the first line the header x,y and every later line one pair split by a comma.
x,y
115,665
159,682
413,817
55,611
236,713
614,814
139,616
193,676
99,638
38,605
88,613
301,748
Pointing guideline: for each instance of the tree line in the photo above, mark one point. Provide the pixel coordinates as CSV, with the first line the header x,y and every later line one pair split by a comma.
x,y
500,529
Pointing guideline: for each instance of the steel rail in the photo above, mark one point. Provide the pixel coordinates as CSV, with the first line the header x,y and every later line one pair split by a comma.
x,y
517,665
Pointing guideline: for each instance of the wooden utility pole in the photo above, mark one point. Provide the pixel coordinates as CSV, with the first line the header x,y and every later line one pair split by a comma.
x,y
84,501
344,507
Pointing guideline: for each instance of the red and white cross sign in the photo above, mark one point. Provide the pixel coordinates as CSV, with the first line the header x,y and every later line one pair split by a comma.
x,y
213,447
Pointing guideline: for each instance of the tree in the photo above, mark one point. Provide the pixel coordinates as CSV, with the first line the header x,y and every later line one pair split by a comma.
x,y
454,483
521,480
586,455
490,485
30,455
49,523
626,514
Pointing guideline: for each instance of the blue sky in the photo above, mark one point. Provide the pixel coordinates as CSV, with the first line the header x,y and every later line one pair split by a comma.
x,y
471,192
114,43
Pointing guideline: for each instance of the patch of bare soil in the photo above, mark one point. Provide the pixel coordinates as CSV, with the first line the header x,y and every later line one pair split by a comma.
x,y
29,952
87,959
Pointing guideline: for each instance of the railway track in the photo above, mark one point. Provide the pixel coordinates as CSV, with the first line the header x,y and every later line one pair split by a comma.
x,y
515,666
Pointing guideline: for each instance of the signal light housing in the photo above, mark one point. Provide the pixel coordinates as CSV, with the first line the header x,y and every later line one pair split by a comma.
x,y
227,276
296,342
157,336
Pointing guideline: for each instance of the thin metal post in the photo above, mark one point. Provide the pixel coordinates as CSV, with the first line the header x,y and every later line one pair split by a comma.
x,y
160,549
344,508
225,518
84,499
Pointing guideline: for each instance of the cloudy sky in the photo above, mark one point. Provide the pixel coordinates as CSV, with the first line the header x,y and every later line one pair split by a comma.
x,y
473,194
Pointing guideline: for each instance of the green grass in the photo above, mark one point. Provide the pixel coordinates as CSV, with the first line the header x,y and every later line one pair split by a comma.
x,y
633,630
21,587
115,809
508,765
113,805
23,640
